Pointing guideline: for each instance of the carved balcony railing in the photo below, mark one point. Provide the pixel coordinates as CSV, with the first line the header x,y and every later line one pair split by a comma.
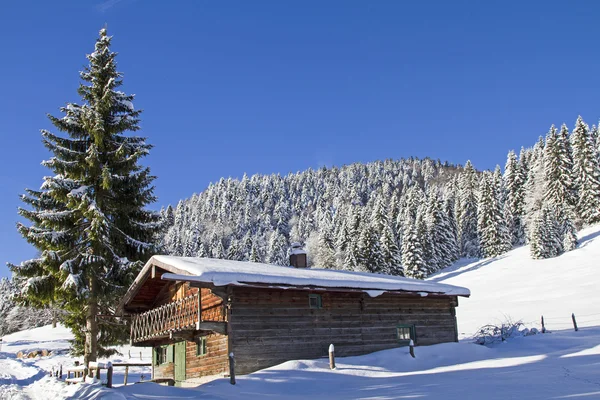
x,y
162,321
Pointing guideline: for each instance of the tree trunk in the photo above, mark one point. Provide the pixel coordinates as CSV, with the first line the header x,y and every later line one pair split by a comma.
x,y
91,325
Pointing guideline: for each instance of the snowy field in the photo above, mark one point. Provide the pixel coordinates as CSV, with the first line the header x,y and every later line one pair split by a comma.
x,y
28,378
560,365
516,286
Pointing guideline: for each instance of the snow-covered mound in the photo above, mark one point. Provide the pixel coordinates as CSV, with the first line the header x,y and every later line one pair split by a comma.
x,y
518,287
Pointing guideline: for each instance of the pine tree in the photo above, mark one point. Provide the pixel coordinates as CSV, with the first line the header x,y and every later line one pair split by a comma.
x,y
371,256
494,239
467,223
277,249
514,181
569,235
254,254
546,235
534,185
391,252
587,174
88,220
427,245
412,253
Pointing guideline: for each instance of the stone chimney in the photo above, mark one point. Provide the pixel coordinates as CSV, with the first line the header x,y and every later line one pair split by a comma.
x,y
298,256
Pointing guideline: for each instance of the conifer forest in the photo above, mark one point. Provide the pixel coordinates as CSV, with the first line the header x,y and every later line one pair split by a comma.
x,y
409,217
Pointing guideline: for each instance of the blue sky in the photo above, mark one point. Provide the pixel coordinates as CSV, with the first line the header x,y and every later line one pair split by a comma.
x,y
279,86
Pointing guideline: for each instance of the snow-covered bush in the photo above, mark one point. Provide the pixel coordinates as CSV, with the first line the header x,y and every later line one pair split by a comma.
x,y
491,333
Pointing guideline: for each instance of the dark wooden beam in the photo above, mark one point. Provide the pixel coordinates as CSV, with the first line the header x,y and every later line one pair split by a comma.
x,y
213,326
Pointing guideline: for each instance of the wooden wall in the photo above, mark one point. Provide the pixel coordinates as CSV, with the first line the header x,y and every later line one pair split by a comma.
x,y
213,363
270,326
216,360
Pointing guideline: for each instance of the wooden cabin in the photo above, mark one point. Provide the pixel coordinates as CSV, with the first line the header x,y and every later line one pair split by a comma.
x,y
193,312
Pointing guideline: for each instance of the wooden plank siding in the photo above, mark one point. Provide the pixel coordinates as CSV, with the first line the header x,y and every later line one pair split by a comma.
x,y
215,361
270,326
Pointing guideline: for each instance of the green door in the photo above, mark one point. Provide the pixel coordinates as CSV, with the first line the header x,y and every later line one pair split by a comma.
x,y
179,362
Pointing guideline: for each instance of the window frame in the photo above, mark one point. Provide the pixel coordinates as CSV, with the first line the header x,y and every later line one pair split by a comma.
x,y
319,300
201,347
162,354
412,333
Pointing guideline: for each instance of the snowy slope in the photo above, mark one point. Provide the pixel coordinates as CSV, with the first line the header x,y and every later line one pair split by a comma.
x,y
516,286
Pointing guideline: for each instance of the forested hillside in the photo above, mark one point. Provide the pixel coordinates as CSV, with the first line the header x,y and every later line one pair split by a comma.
x,y
408,217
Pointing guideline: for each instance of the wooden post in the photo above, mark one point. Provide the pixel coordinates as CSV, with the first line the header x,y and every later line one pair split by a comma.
x,y
331,356
231,368
126,375
130,354
98,373
574,322
140,355
60,372
543,326
109,376
411,348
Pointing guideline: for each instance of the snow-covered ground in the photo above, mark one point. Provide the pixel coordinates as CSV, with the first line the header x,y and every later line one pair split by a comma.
x,y
560,365
28,377
518,287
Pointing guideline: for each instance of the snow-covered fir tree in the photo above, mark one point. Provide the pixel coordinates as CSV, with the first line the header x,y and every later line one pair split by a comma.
x,y
514,182
587,174
493,235
535,185
467,212
412,253
89,220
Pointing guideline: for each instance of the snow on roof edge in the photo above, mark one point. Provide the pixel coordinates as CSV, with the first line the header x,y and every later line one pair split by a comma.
x,y
227,272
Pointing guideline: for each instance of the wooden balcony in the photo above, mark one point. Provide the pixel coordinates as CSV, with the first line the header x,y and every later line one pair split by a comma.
x,y
175,317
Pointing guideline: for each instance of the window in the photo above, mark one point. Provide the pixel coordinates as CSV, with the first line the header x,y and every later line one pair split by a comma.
x,y
314,301
405,333
161,354
201,346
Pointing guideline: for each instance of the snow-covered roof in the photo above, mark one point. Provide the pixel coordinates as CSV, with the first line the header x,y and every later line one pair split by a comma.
x,y
219,272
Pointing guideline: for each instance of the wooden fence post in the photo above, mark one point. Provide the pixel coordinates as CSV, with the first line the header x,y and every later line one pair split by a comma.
x,y
60,372
411,348
140,356
574,322
231,368
126,375
543,326
331,356
109,376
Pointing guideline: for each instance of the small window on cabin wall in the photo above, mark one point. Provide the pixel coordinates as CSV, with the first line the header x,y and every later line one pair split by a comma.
x,y
162,355
405,333
314,301
201,346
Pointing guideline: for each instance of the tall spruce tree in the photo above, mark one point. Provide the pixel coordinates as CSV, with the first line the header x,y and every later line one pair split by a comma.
x,y
587,174
412,253
514,181
391,252
467,212
89,220
493,237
